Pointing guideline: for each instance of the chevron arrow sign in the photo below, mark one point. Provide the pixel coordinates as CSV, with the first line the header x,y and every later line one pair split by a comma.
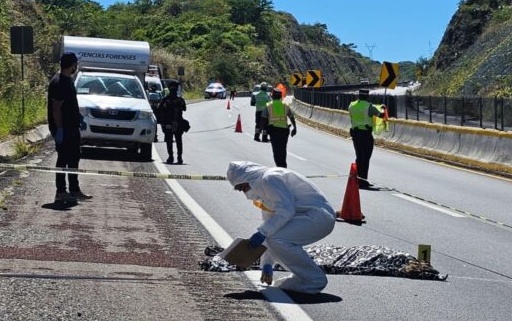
x,y
314,78
297,79
389,75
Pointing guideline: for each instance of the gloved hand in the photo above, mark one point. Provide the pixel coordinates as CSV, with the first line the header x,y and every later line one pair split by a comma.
x,y
294,131
266,274
83,124
256,239
59,136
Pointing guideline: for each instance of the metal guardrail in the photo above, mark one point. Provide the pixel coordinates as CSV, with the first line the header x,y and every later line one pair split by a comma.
x,y
495,113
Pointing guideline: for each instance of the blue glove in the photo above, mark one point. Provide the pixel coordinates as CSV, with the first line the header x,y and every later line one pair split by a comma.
x,y
267,269
256,239
83,124
59,136
266,274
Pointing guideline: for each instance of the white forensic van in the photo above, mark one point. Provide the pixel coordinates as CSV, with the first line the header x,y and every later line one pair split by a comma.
x,y
111,94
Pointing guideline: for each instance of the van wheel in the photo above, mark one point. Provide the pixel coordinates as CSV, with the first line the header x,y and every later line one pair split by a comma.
x,y
146,151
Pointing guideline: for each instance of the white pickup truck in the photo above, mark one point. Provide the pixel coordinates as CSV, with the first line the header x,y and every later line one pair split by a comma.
x,y
110,91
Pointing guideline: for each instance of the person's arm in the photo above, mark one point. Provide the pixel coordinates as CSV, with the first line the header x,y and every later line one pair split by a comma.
x,y
57,113
374,111
280,200
292,120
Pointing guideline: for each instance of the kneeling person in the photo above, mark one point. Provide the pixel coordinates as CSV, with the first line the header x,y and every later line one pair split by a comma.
x,y
295,214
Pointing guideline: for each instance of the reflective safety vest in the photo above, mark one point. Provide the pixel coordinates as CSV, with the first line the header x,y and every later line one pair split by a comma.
x,y
359,118
262,98
277,114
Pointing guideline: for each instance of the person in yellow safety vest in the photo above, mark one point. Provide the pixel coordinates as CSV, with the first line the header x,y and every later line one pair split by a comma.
x,y
261,100
361,113
276,122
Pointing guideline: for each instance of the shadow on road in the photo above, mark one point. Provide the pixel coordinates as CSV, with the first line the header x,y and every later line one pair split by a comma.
x,y
111,154
299,298
59,206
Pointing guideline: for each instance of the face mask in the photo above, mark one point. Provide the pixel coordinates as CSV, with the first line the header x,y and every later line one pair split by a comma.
x,y
251,195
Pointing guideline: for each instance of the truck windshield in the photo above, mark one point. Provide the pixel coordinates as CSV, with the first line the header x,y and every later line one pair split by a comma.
x,y
109,85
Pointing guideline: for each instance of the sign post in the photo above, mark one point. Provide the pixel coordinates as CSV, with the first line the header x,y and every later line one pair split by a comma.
x,y
22,42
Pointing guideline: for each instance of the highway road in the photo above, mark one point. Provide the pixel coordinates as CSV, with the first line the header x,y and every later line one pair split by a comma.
x,y
465,216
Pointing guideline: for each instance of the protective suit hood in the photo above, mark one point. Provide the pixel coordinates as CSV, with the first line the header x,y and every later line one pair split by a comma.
x,y
245,172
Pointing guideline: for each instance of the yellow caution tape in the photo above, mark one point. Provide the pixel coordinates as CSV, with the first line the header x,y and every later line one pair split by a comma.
x,y
20,167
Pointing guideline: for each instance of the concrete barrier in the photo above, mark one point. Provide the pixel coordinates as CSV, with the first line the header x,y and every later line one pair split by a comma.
x,y
483,149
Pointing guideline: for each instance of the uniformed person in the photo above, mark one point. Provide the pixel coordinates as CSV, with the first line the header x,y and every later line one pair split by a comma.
x,y
361,116
261,100
275,118
170,116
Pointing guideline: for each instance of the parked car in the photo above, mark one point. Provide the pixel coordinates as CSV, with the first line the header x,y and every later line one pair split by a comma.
x,y
156,81
215,90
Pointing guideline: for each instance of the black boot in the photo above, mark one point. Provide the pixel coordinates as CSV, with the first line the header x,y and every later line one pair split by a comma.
x,y
180,160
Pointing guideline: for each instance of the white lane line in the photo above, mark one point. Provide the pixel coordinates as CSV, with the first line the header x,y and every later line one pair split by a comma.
x,y
276,297
429,205
297,156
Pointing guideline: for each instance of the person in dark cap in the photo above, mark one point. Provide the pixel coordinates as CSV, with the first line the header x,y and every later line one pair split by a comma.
x,y
65,123
361,116
275,118
170,115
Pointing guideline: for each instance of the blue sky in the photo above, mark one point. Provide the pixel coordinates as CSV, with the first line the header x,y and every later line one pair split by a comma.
x,y
394,31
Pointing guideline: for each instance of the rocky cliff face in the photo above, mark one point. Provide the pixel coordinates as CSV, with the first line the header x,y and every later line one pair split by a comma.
x,y
474,57
338,64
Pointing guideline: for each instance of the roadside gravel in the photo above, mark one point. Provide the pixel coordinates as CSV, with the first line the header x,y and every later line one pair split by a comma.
x,y
130,253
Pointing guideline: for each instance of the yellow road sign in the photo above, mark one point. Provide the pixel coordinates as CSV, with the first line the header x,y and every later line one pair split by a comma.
x,y
297,79
389,75
314,78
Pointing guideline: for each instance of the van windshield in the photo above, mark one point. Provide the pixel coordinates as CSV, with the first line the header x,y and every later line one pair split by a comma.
x,y
109,85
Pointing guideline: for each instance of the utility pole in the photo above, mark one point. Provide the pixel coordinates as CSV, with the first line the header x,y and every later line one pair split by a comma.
x,y
370,49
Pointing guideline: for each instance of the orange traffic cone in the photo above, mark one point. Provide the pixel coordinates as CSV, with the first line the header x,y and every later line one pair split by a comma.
x,y
351,208
238,127
229,106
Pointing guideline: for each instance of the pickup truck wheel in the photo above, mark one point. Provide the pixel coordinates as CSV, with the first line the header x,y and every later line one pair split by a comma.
x,y
146,151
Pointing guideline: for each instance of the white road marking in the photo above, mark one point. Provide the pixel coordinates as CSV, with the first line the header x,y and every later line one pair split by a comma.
x,y
277,298
297,156
429,205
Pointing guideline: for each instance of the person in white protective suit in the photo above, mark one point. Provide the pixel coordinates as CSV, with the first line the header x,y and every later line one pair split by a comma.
x,y
295,213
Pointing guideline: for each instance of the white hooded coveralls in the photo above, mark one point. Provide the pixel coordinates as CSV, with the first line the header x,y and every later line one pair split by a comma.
x,y
296,214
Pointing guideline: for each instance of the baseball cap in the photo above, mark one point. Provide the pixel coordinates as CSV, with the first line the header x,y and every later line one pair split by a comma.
x,y
364,92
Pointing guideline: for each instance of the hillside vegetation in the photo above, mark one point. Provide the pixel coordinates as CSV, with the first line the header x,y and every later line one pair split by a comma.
x,y
241,43
474,57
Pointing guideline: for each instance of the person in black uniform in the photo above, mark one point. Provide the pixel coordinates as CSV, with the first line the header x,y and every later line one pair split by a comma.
x,y
275,120
170,116
65,123
361,116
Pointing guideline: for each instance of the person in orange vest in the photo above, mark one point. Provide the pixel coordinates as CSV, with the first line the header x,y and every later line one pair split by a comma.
x,y
361,116
275,118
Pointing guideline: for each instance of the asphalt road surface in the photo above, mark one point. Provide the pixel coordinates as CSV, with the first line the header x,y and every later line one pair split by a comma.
x,y
131,253
464,216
